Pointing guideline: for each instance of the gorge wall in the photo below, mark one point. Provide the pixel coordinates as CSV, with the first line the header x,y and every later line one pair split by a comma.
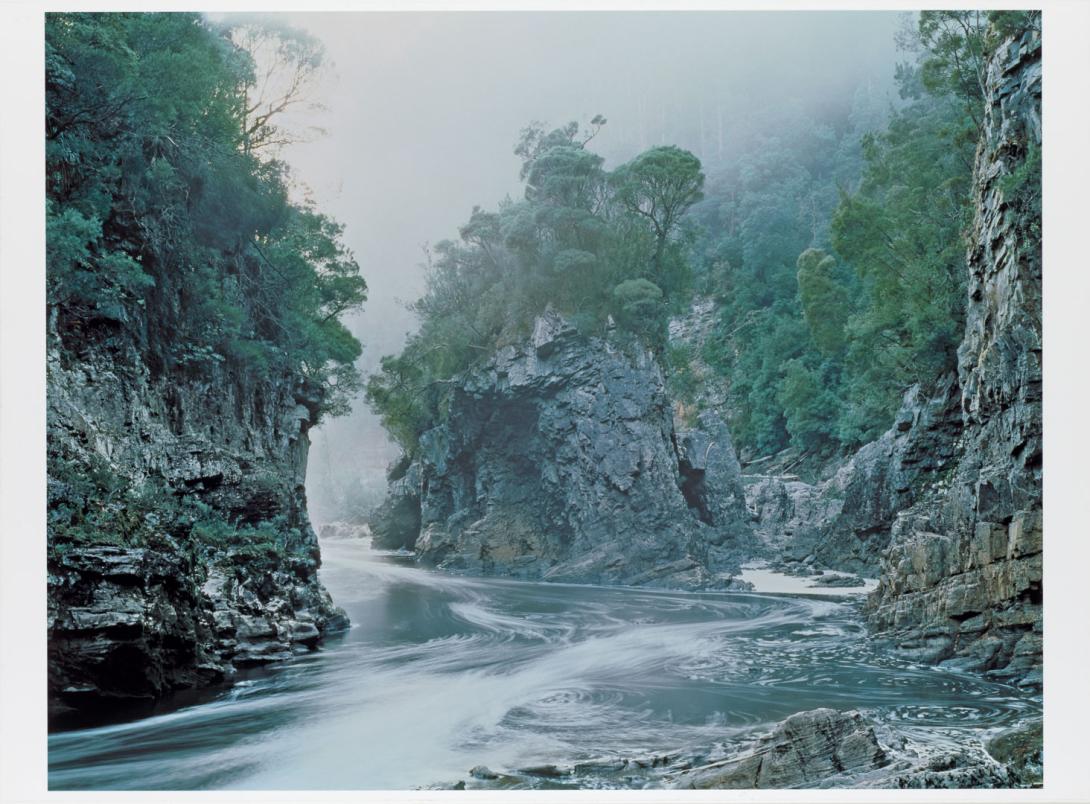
x,y
962,578
179,544
946,506
559,459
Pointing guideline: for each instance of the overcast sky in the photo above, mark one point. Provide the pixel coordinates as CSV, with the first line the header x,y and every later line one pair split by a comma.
x,y
423,110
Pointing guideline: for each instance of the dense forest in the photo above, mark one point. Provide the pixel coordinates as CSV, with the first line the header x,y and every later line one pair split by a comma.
x,y
832,242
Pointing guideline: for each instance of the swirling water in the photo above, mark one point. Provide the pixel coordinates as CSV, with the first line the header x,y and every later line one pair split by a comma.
x,y
442,673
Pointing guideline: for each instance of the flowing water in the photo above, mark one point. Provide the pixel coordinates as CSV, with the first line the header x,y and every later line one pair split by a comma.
x,y
442,673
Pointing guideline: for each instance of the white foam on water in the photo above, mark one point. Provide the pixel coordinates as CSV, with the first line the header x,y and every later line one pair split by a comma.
x,y
770,582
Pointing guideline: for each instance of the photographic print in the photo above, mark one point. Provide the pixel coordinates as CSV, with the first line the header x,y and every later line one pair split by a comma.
x,y
571,400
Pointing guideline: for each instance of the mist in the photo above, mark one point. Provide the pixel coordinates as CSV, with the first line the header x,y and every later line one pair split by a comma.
x,y
422,110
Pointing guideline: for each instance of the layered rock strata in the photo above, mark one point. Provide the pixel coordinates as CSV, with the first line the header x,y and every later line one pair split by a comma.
x,y
138,608
962,580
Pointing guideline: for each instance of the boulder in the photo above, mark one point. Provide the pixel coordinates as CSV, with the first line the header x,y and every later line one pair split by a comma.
x,y
805,750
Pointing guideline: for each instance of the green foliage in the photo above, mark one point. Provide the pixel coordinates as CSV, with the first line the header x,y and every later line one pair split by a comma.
x,y
811,407
91,504
638,305
826,300
903,234
771,204
589,244
683,381
955,46
836,248
160,212
659,186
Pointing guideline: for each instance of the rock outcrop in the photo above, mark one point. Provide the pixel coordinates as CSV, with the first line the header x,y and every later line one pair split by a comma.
x,y
395,523
805,750
962,579
559,460
946,505
845,522
824,748
144,594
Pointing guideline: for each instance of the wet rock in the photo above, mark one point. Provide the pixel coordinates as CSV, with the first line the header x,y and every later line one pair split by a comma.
x,y
952,771
805,750
559,460
546,771
1021,749
135,615
599,767
711,478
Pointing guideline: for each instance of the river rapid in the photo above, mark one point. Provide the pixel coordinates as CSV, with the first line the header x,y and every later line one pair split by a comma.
x,y
441,673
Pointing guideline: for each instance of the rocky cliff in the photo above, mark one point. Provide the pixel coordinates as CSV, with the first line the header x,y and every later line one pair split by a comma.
x,y
844,522
564,458
559,459
946,505
962,578
179,544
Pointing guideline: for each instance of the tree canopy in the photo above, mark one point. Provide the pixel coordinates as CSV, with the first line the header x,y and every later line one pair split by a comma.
x,y
595,245
162,207
836,246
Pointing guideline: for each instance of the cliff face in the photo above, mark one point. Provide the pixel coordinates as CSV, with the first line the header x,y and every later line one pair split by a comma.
x,y
559,460
845,521
962,578
152,585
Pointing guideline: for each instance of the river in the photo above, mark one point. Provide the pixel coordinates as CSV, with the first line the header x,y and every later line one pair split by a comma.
x,y
442,673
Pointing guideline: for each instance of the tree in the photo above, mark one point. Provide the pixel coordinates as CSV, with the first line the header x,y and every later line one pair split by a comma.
x,y
160,215
660,185
826,302
569,245
283,67
903,235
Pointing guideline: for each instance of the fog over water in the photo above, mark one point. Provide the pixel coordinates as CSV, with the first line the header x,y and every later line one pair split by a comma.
x,y
423,110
